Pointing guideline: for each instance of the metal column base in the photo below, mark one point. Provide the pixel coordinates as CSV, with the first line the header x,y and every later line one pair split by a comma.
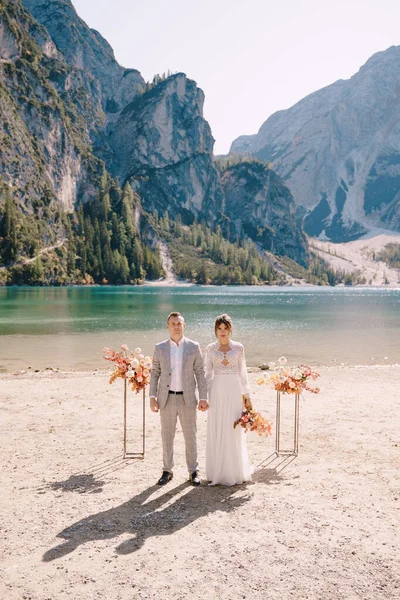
x,y
139,455
295,450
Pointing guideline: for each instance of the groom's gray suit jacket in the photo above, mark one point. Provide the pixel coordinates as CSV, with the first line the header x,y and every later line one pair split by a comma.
x,y
192,373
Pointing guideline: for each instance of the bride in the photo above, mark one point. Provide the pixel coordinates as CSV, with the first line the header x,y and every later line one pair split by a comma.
x,y
227,461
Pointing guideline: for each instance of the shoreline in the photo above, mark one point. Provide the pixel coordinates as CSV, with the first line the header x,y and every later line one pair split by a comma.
x,y
63,372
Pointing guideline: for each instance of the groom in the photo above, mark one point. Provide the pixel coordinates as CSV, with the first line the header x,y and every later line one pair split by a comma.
x,y
177,368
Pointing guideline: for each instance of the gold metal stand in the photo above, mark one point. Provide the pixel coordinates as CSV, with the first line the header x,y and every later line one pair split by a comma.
x,y
295,450
135,454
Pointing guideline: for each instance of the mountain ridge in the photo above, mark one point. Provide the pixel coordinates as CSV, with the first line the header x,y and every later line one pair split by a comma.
x,y
337,150
77,128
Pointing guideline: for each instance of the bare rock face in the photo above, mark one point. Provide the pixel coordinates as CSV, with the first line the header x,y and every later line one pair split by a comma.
x,y
79,105
45,152
71,116
162,140
338,151
85,50
261,207
157,136
10,49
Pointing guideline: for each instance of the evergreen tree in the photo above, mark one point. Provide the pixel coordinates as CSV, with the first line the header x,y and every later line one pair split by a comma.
x,y
127,209
8,230
105,207
37,274
124,270
202,276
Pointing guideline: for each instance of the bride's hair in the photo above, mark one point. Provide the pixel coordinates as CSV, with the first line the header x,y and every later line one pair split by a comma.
x,y
225,320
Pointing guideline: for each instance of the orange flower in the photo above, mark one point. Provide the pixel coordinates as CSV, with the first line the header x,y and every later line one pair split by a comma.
x,y
124,369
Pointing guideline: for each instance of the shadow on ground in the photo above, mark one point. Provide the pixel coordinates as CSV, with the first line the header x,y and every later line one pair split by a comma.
x,y
92,481
143,517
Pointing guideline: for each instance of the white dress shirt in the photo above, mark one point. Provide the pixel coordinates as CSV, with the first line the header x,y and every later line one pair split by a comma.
x,y
176,357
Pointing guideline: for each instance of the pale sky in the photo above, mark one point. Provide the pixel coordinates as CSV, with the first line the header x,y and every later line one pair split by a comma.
x,y
250,57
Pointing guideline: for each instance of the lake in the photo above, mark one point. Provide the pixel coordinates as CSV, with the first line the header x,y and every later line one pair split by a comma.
x,y
68,327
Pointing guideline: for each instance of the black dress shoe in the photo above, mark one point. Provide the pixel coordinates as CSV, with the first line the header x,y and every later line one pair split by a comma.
x,y
194,478
165,477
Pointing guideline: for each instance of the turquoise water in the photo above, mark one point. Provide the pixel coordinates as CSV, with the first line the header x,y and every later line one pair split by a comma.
x,y
68,327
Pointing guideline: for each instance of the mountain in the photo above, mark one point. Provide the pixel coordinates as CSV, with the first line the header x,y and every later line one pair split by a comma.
x,y
338,151
261,207
46,149
77,128
109,86
163,145
153,133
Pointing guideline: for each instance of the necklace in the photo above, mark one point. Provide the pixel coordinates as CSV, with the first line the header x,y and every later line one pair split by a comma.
x,y
225,360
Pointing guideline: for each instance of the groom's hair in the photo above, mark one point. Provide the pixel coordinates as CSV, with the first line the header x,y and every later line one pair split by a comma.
x,y
223,319
175,314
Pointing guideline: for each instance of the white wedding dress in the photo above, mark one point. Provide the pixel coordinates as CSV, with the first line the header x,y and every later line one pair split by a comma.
x,y
227,461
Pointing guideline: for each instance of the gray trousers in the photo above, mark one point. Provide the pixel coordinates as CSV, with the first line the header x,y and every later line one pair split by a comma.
x,y
175,408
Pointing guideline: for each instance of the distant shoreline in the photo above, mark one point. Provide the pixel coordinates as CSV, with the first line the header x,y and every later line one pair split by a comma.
x,y
67,328
166,284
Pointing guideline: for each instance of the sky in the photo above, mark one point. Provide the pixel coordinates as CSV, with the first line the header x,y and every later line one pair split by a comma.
x,y
250,57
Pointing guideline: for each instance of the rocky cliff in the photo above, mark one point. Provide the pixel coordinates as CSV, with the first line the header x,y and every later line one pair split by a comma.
x,y
73,118
110,86
338,151
162,142
77,107
46,155
262,208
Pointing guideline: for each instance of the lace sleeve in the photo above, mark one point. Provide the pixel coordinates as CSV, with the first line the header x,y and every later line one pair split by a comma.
x,y
209,367
244,378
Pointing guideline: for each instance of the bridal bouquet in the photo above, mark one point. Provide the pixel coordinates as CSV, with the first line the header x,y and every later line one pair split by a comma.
x,y
133,366
252,420
289,380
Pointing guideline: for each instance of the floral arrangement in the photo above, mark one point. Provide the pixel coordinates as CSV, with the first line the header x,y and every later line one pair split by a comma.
x,y
252,420
289,380
133,366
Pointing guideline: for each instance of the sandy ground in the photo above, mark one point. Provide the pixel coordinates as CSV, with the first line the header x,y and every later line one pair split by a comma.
x,y
79,522
358,256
